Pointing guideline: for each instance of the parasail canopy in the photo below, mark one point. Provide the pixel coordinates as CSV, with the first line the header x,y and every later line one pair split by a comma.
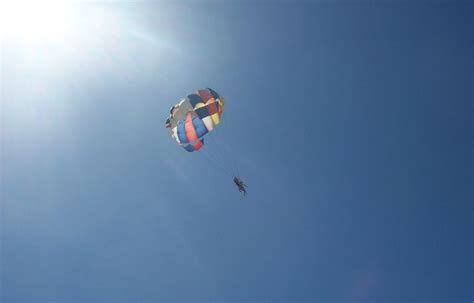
x,y
193,117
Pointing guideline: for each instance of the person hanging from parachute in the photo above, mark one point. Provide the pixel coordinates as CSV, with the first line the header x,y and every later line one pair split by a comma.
x,y
241,185
195,116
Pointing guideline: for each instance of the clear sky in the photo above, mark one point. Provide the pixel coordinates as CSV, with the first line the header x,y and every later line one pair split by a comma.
x,y
350,121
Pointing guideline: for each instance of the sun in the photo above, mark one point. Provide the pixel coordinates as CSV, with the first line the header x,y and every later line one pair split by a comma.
x,y
31,20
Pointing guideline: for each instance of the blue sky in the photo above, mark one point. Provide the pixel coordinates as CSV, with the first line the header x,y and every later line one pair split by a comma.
x,y
351,122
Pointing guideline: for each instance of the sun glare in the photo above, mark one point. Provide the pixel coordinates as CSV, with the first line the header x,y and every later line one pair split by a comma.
x,y
20,19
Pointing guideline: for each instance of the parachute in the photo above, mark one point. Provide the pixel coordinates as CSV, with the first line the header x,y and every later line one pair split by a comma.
x,y
192,118
195,116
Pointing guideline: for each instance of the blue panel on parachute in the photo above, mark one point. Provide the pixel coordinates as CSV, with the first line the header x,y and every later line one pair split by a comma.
x,y
188,147
199,126
195,99
181,133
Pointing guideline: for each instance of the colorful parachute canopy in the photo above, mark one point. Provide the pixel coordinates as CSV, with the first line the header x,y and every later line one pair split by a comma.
x,y
195,116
